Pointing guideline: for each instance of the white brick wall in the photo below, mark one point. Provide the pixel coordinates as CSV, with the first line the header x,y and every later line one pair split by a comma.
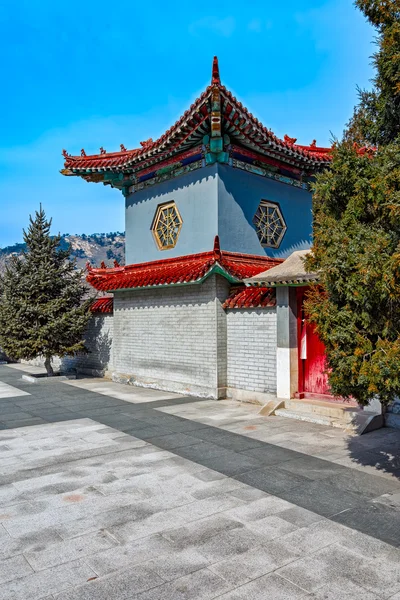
x,y
173,338
251,343
181,339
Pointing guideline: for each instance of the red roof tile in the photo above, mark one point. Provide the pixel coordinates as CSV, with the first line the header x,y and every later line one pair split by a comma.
x,y
103,305
251,297
185,269
324,154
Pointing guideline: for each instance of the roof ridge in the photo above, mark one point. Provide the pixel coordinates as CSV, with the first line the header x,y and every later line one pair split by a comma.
x,y
153,263
217,254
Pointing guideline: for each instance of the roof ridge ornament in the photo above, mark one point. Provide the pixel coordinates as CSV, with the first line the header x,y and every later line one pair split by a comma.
x,y
217,249
215,80
289,140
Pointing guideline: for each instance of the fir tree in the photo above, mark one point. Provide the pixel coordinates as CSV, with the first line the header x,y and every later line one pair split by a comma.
x,y
356,208
42,306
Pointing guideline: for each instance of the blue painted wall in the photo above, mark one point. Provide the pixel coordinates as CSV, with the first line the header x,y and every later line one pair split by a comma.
x,y
216,200
239,194
195,195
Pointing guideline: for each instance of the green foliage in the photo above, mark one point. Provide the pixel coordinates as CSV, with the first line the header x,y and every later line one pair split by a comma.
x,y
376,119
356,308
42,306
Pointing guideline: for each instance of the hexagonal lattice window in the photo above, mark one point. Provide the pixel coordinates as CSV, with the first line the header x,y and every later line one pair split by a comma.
x,y
167,224
270,224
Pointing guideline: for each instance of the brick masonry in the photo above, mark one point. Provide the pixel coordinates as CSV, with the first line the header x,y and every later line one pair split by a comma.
x,y
173,338
181,339
251,349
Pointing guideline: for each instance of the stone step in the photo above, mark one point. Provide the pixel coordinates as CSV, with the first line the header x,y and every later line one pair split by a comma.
x,y
320,408
362,421
304,416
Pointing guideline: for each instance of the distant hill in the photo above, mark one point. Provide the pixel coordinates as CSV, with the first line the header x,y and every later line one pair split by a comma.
x,y
94,247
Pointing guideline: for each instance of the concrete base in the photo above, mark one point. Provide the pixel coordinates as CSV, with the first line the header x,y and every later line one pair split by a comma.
x,y
260,398
171,386
392,420
94,372
366,421
45,379
392,417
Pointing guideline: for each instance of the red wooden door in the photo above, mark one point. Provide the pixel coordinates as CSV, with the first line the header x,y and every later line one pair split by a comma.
x,y
313,380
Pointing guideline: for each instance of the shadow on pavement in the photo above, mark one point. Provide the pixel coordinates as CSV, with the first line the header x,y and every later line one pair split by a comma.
x,y
380,449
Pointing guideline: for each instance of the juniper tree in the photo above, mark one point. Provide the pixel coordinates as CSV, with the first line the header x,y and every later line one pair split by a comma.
x,y
43,310
356,207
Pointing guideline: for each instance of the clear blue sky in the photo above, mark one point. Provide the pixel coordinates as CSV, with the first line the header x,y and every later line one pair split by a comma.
x,y
90,74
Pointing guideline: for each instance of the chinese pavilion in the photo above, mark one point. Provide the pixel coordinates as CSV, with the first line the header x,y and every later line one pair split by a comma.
x,y
216,200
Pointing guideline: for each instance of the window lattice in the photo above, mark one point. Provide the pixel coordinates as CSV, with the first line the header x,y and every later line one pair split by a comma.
x,y
167,225
270,224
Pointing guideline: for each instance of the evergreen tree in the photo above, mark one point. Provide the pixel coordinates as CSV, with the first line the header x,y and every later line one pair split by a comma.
x,y
356,208
42,306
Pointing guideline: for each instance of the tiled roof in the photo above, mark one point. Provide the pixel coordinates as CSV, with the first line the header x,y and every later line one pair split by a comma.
x,y
189,130
162,148
291,271
184,269
103,305
251,297
323,154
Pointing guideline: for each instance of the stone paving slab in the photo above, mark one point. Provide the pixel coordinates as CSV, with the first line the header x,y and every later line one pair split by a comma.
x,y
160,538
272,585
90,512
9,391
121,391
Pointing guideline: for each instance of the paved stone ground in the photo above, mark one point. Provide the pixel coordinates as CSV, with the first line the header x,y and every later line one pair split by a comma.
x,y
161,497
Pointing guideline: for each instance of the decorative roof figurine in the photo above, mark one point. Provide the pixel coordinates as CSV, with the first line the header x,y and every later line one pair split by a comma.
x,y
289,140
217,248
83,153
102,151
147,143
123,149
